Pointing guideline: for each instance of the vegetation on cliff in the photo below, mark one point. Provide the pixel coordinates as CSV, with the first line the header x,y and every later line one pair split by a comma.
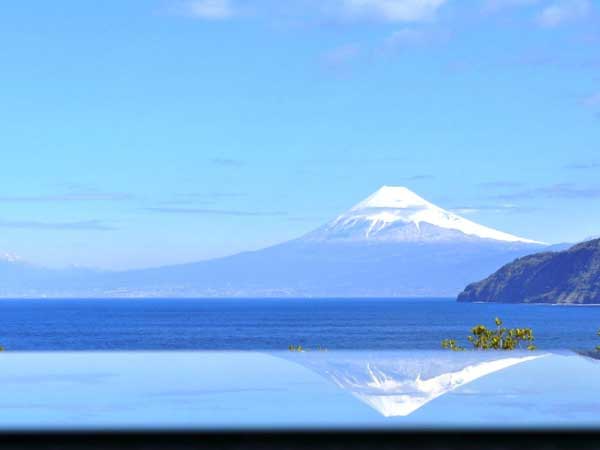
x,y
567,277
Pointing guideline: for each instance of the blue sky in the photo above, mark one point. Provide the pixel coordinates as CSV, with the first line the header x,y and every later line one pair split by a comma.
x,y
140,133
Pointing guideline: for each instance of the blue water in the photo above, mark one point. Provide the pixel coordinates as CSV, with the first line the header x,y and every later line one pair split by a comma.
x,y
274,324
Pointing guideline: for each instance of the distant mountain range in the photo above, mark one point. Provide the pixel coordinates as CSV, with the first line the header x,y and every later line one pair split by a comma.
x,y
567,277
392,244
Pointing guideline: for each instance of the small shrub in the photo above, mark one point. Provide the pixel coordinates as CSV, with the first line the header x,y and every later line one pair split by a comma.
x,y
500,338
299,348
451,344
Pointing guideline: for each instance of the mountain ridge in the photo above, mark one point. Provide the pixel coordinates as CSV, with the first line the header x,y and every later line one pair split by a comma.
x,y
569,276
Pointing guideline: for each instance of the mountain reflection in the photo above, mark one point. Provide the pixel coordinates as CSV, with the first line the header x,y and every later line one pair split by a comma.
x,y
398,383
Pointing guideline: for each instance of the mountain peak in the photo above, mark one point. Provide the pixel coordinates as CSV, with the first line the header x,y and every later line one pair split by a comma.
x,y
395,213
392,197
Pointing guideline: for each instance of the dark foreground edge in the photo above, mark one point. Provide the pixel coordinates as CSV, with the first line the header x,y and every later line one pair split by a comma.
x,y
438,440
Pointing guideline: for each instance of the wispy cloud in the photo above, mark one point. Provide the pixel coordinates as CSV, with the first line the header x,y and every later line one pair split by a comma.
x,y
583,166
307,219
503,208
500,184
341,57
420,177
226,162
208,9
69,197
217,212
220,195
354,161
199,198
388,10
86,225
548,58
592,100
564,11
71,192
210,195
561,190
411,37
495,6
550,13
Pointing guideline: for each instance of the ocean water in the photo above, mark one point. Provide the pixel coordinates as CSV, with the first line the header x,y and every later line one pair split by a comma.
x,y
274,324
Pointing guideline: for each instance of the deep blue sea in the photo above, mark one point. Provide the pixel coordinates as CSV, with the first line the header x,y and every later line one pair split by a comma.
x,y
274,324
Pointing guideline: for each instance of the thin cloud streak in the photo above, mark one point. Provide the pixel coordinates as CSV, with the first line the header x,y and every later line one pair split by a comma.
x,y
341,57
217,212
414,37
208,9
421,177
226,162
564,11
388,10
66,198
562,190
496,6
87,225
592,100
500,184
197,198
584,166
350,161
501,209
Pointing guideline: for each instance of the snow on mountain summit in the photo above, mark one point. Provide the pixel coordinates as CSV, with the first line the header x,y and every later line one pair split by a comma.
x,y
395,213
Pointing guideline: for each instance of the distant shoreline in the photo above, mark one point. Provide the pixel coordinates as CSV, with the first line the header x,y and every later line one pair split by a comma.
x,y
391,299
299,299
534,304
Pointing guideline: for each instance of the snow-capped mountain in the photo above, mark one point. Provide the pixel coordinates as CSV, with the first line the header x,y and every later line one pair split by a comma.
x,y
393,244
396,214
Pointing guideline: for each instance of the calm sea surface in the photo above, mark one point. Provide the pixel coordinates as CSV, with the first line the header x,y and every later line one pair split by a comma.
x,y
273,324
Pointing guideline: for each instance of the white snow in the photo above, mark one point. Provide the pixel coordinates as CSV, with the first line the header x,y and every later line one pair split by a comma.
x,y
392,395
591,238
386,212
